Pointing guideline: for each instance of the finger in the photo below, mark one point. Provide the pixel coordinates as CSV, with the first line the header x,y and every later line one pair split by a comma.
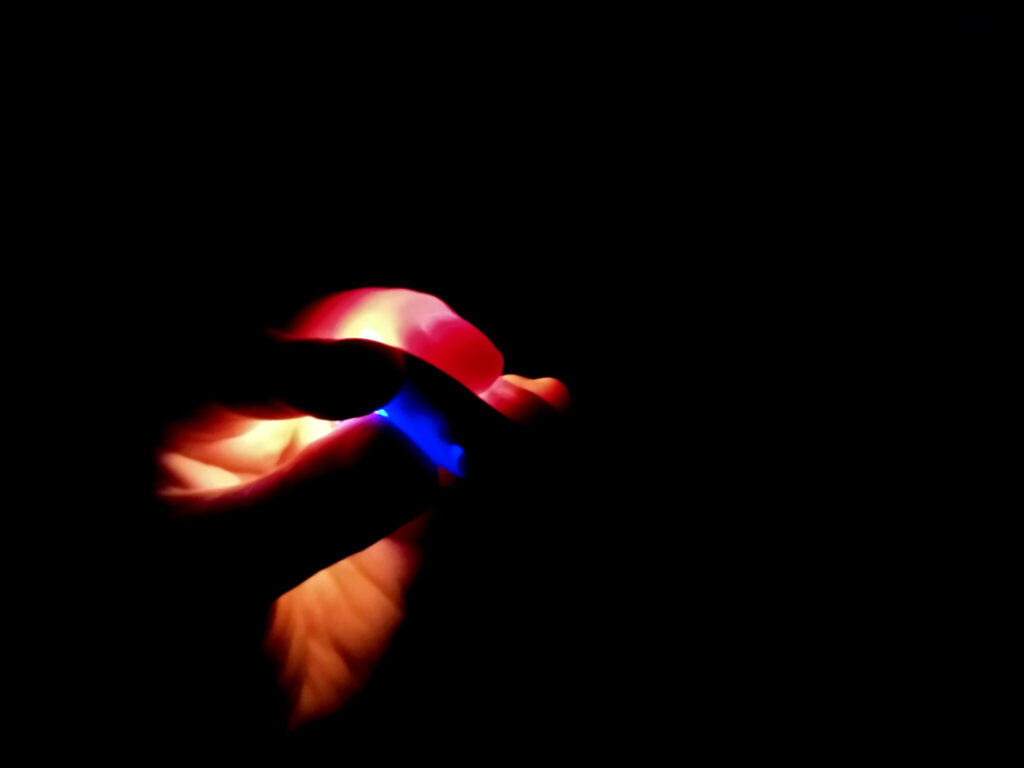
x,y
263,446
416,322
272,375
526,400
344,492
550,390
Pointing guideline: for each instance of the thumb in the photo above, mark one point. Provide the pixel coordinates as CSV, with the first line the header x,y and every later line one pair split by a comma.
x,y
273,375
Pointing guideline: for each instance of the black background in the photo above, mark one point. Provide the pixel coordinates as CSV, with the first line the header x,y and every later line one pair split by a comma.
x,y
619,205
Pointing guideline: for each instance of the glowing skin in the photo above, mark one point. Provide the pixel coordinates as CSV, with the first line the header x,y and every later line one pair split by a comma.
x,y
326,634
416,322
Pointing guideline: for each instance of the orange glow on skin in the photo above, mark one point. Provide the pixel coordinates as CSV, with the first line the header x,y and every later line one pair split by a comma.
x,y
326,634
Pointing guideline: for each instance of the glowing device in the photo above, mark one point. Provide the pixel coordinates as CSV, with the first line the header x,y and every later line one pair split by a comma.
x,y
424,425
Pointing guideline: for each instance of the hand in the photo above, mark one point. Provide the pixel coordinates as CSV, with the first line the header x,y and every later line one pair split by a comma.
x,y
284,496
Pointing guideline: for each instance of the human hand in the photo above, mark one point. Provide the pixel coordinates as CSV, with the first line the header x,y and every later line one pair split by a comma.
x,y
278,500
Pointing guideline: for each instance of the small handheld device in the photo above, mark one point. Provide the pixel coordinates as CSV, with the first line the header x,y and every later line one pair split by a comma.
x,y
425,426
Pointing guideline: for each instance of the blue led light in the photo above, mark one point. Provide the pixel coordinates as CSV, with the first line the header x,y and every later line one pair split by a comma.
x,y
418,419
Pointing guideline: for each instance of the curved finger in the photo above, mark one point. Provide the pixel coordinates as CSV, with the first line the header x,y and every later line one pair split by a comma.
x,y
273,375
344,492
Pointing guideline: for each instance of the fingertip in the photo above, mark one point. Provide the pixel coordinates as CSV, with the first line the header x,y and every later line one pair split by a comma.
x,y
549,389
523,400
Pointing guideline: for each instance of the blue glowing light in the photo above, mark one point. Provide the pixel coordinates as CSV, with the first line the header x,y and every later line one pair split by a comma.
x,y
412,414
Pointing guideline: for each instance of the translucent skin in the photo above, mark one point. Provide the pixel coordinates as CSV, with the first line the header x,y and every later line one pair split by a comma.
x,y
326,634
416,322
